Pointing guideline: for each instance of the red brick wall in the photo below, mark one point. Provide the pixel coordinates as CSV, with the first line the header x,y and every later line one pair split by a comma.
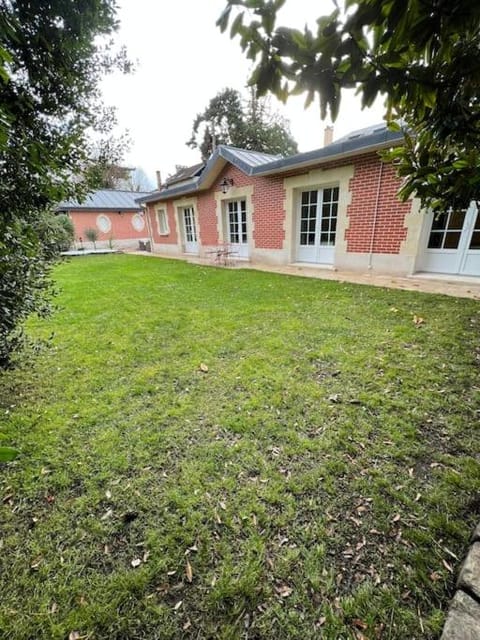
x,y
122,228
268,205
269,215
172,224
390,228
207,214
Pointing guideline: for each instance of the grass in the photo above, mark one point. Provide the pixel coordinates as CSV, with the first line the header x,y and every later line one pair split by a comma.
x,y
320,480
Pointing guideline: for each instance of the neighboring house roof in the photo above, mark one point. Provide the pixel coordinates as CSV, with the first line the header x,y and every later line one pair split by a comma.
x,y
106,199
187,173
261,164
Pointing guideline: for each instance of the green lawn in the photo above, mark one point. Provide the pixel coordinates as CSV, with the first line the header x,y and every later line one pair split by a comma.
x,y
319,480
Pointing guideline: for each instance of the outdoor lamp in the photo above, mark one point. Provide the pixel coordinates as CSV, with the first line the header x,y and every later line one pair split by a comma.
x,y
226,184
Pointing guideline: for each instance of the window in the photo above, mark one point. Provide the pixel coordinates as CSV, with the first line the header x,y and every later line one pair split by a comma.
x,y
446,229
475,241
308,217
162,222
318,217
329,216
103,223
237,222
138,223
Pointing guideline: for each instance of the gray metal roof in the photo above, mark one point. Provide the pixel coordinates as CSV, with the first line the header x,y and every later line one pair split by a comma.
x,y
362,133
104,199
259,164
185,174
251,158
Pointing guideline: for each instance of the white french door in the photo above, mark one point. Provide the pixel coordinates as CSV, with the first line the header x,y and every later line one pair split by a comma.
x,y
237,231
453,244
190,239
317,225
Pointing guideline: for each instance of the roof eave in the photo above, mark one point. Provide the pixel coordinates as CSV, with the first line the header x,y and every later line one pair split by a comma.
x,y
109,209
285,166
218,160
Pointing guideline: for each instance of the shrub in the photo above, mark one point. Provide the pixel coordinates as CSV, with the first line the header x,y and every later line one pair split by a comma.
x,y
92,235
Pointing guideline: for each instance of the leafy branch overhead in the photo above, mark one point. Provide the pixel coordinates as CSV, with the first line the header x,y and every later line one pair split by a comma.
x,y
52,56
423,58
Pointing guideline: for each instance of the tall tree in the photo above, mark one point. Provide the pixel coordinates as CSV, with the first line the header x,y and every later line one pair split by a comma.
x,y
52,55
248,124
424,57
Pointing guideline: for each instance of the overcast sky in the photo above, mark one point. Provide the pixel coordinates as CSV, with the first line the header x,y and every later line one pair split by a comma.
x,y
182,61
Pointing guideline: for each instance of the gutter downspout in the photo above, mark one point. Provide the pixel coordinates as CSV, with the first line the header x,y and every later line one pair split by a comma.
x,y
375,217
150,234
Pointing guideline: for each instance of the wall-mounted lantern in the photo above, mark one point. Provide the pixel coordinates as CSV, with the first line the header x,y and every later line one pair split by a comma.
x,y
226,184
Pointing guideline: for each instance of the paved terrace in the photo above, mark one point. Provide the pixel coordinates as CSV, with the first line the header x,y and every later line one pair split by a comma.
x,y
458,286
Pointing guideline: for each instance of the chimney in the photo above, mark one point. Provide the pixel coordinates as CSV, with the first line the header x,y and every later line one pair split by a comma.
x,y
328,135
159,180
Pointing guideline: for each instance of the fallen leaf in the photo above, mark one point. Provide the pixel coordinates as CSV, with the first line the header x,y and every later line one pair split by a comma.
x,y
396,518
284,590
188,571
434,576
321,621
359,624
107,514
74,635
447,566
417,320
187,625
136,563
203,367
178,605
108,494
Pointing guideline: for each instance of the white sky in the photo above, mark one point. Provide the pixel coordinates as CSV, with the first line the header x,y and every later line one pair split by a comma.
x,y
182,62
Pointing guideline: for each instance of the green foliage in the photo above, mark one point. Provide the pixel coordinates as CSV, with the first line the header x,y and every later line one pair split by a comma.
x,y
422,56
228,120
26,257
62,232
7,454
52,55
92,235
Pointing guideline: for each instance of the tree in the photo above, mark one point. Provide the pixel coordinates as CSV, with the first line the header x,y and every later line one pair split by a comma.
x,y
52,55
422,56
228,120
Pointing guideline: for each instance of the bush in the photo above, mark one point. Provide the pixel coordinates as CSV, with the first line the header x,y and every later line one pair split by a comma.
x,y
92,235
26,257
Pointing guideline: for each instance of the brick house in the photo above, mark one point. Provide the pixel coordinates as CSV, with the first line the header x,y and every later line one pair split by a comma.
x,y
333,207
115,215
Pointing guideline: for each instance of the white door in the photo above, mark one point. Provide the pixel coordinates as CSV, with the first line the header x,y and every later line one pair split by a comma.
x,y
189,231
237,231
453,242
317,225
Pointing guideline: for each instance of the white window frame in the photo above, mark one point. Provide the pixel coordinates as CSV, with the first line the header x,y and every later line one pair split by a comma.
x,y
138,222
163,228
104,224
